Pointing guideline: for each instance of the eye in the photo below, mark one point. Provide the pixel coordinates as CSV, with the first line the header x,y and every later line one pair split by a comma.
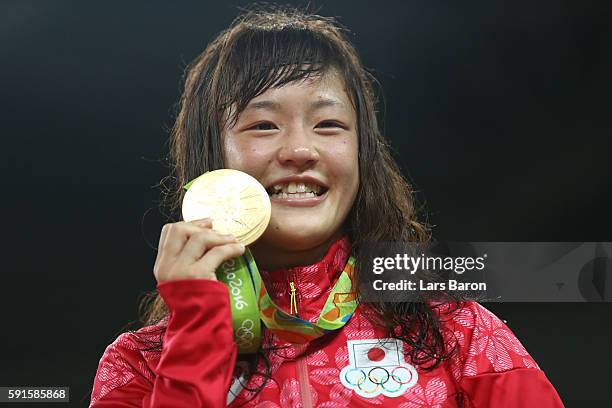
x,y
327,124
263,126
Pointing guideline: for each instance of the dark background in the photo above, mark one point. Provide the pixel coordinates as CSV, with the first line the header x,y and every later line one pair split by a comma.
x,y
498,111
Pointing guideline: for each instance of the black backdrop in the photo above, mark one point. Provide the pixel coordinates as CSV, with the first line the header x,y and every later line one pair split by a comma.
x,y
498,111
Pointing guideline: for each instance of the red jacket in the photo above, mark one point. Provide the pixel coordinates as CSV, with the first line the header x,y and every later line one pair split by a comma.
x,y
348,368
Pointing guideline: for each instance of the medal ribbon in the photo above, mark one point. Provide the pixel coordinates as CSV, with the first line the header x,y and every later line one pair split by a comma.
x,y
251,302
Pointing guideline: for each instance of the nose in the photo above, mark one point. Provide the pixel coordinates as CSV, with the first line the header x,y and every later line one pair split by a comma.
x,y
297,150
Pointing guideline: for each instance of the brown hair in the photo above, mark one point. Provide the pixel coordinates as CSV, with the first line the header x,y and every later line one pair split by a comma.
x,y
270,47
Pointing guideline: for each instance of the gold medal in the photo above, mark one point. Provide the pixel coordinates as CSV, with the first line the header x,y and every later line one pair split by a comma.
x,y
236,203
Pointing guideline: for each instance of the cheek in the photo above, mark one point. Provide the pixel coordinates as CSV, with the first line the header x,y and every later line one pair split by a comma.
x,y
247,157
343,160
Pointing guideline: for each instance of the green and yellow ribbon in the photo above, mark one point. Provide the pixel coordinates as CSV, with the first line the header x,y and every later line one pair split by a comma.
x,y
250,303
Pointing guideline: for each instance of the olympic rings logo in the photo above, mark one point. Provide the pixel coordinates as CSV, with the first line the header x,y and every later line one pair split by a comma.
x,y
372,381
244,334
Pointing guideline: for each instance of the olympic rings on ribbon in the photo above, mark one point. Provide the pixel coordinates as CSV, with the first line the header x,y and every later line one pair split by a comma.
x,y
243,334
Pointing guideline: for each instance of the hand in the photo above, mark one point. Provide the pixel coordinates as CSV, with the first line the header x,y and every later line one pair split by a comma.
x,y
192,250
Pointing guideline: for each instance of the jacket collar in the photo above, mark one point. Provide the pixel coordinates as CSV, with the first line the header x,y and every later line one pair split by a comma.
x,y
313,283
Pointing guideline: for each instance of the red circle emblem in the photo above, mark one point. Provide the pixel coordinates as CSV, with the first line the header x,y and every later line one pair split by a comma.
x,y
376,354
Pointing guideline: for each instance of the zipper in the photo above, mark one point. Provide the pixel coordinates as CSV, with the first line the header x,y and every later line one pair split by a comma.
x,y
302,377
301,364
293,295
293,299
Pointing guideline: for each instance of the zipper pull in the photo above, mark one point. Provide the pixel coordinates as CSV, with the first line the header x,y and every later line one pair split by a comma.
x,y
293,299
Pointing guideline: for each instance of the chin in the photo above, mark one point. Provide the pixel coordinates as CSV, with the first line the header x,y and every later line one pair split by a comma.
x,y
296,236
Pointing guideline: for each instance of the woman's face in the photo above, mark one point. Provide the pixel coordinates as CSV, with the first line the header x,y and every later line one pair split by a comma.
x,y
300,142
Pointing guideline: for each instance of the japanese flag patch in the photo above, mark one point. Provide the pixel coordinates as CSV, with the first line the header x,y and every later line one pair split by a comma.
x,y
377,366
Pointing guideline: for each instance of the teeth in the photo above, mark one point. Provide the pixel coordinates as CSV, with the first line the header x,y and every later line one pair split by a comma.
x,y
294,195
295,190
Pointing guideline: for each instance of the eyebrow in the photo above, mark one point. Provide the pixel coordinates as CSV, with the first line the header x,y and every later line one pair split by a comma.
x,y
275,106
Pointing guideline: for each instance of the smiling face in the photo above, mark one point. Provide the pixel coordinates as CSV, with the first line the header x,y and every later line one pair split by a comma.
x,y
300,142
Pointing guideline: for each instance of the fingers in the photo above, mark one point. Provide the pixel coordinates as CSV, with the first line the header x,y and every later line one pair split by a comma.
x,y
204,222
199,242
193,250
175,235
162,240
214,257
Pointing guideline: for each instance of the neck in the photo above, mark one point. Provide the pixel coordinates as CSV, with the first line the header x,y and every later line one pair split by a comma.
x,y
271,258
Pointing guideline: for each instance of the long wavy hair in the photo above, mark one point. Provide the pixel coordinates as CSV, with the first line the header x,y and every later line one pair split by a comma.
x,y
268,47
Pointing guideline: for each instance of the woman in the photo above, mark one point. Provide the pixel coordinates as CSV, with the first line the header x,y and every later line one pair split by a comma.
x,y
282,96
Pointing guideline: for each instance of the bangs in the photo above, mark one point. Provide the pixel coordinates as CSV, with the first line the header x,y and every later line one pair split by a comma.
x,y
260,58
